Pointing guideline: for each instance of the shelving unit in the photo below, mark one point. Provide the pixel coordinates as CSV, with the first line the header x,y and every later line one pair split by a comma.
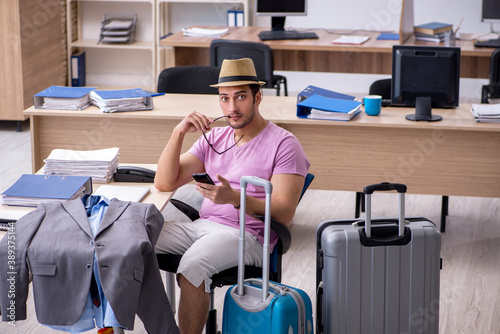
x,y
163,26
154,23
145,42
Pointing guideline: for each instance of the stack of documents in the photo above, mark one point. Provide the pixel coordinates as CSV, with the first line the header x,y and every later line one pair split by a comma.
x,y
31,190
204,32
117,29
59,97
326,108
122,100
98,164
487,113
123,193
351,39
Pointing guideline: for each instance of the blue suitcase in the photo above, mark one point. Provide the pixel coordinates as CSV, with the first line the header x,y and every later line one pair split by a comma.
x,y
258,305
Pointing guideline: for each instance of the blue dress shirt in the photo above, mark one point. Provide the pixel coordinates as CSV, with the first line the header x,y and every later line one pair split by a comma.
x,y
101,315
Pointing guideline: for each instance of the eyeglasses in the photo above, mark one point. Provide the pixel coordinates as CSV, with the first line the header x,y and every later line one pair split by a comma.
x,y
210,144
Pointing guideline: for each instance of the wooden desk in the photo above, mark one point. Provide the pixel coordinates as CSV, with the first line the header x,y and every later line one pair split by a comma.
x,y
455,157
159,198
320,55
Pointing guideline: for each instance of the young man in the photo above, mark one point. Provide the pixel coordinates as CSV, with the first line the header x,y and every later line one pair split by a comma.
x,y
249,145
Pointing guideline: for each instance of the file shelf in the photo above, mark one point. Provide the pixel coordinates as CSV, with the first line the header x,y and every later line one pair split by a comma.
x,y
143,42
164,26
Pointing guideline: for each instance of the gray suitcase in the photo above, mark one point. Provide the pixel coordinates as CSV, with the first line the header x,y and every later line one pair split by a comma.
x,y
378,279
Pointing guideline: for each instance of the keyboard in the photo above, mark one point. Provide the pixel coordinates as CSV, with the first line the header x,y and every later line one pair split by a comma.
x,y
286,34
490,43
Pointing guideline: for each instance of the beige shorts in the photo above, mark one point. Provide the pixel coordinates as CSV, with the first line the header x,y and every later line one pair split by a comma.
x,y
207,248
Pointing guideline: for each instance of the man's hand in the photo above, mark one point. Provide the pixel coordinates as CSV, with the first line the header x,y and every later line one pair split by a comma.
x,y
193,122
219,194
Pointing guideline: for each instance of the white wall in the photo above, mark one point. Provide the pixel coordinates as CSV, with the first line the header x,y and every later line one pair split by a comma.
x,y
380,15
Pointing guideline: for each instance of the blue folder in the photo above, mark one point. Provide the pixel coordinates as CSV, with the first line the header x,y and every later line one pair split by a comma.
x,y
326,104
313,90
55,187
388,36
122,93
66,92
62,92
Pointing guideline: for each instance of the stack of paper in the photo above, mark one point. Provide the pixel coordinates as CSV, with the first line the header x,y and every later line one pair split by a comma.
x,y
204,32
117,29
123,193
487,113
98,164
321,107
59,97
31,190
122,100
350,39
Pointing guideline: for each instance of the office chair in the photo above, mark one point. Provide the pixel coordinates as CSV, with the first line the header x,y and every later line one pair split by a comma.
x,y
492,90
170,262
190,79
260,53
382,87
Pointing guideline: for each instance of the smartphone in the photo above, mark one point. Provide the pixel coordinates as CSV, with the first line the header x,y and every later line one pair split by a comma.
x,y
203,178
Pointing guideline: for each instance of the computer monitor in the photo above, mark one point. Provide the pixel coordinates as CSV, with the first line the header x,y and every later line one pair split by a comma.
x,y
425,77
491,12
279,10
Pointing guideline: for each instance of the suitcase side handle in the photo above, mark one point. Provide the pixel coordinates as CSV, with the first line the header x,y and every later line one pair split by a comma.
x,y
268,187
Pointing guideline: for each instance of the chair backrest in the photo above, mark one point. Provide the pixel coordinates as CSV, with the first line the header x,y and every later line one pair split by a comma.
x,y
381,87
307,182
190,79
260,53
495,67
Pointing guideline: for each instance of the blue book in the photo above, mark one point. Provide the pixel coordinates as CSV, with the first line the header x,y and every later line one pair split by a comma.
x,y
33,189
313,90
61,97
432,28
327,108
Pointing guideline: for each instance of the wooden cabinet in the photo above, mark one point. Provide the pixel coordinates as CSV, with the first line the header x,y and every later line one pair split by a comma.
x,y
31,53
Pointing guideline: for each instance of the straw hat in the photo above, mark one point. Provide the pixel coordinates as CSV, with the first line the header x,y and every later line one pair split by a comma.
x,y
237,72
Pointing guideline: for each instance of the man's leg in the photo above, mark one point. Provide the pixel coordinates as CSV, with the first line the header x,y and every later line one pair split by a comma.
x,y
193,307
213,247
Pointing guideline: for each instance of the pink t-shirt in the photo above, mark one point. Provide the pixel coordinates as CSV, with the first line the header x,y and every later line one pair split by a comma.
x,y
273,151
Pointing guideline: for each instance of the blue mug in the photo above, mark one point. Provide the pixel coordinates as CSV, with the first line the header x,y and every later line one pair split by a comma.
x,y
373,104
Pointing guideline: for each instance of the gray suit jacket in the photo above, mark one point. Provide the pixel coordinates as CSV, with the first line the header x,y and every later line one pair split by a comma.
x,y
55,243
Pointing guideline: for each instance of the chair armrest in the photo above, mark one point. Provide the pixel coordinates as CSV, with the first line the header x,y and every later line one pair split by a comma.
x,y
282,231
186,209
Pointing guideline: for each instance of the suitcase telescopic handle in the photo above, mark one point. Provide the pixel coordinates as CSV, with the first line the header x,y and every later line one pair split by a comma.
x,y
384,186
268,187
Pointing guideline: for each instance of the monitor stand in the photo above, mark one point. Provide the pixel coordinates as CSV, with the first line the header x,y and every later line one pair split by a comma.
x,y
278,23
423,111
